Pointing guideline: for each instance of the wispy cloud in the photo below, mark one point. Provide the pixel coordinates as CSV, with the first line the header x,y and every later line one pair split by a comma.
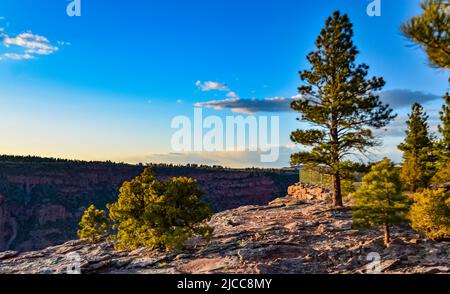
x,y
16,56
26,46
216,86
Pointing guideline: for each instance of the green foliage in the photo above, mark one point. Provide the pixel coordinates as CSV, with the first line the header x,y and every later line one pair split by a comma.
x,y
442,176
159,215
430,213
94,224
347,188
431,30
379,201
339,100
418,151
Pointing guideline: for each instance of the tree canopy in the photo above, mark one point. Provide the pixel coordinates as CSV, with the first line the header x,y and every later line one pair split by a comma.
x,y
94,224
431,30
418,151
159,215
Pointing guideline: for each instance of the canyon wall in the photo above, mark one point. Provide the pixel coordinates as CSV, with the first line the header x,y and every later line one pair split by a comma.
x,y
41,202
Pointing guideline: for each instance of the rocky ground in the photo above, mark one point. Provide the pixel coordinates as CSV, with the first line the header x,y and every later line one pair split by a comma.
x,y
289,236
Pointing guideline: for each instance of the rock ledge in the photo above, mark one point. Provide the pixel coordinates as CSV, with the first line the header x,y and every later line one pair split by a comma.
x,y
288,236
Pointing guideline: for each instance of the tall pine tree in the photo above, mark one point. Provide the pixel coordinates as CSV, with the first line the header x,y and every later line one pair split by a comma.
x,y
419,160
379,201
340,101
431,30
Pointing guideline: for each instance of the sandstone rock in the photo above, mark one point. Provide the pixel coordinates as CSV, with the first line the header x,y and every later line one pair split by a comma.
x,y
307,192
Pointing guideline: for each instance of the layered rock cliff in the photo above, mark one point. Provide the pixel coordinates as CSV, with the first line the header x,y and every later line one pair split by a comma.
x,y
41,201
287,236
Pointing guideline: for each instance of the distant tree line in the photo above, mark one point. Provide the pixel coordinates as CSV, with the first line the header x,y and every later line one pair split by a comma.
x,y
37,159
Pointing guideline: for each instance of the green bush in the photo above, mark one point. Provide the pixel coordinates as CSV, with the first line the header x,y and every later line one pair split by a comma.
x,y
94,224
159,215
430,213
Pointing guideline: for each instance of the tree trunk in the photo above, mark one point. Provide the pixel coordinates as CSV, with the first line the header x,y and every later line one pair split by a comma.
x,y
387,235
337,193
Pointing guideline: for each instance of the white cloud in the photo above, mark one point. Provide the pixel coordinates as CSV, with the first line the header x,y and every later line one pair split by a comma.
x,y
26,46
216,86
210,86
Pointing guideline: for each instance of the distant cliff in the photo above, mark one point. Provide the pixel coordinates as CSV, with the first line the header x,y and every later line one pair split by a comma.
x,y
42,200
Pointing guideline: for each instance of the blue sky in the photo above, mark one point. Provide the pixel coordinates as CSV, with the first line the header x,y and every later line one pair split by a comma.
x,y
107,84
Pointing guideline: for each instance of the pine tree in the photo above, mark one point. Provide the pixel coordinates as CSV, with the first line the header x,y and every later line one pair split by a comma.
x,y
94,224
158,215
419,160
339,100
379,201
444,129
431,30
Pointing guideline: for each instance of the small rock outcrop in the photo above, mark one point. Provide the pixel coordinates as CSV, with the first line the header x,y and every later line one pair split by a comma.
x,y
288,236
302,191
